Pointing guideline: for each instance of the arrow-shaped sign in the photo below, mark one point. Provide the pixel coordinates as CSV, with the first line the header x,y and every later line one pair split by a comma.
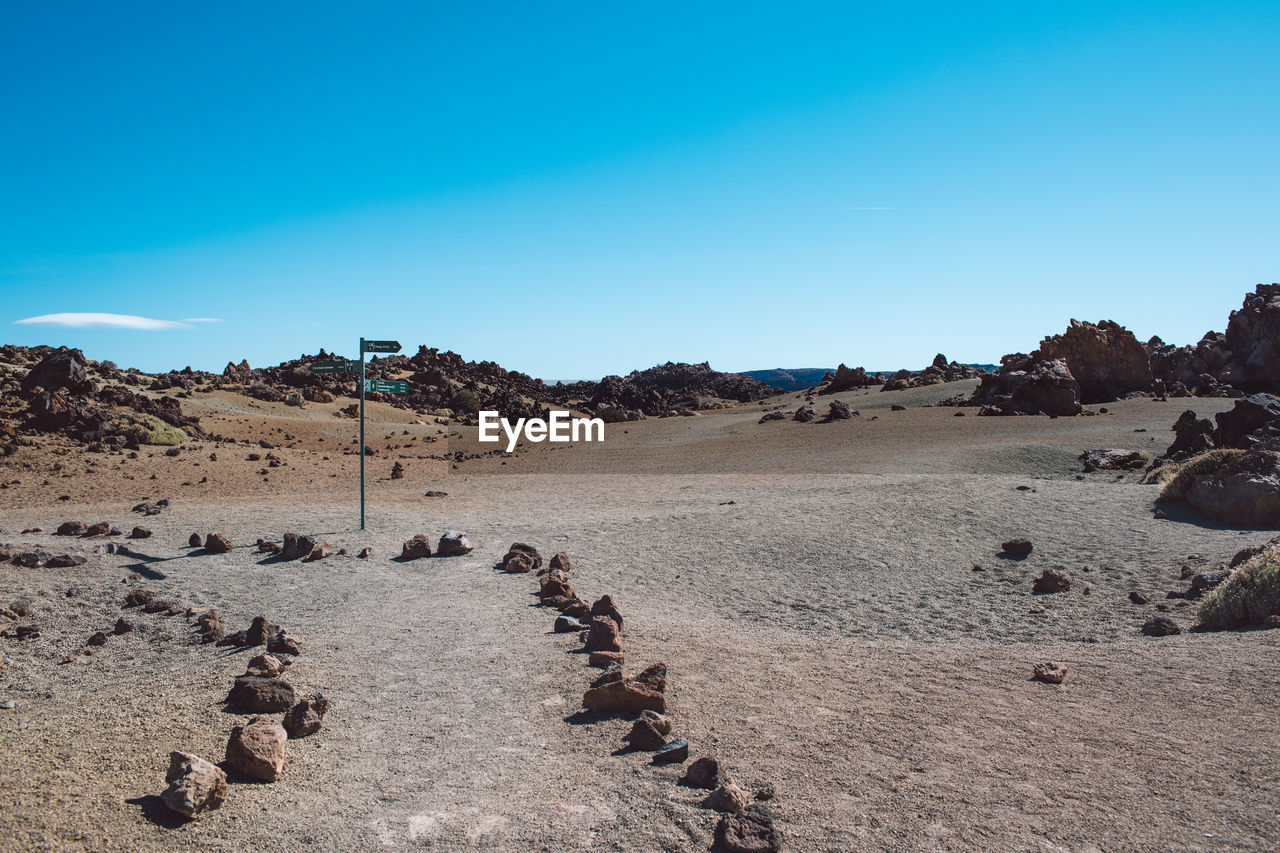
x,y
333,367
382,346
387,386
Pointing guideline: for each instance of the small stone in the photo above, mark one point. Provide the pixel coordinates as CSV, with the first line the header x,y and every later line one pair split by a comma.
x,y
305,718
98,639
453,544
1049,672
195,785
603,636
703,773
265,666
727,798
1160,626
605,606
102,528
1017,548
6,705
749,831
319,552
1050,581
139,596
239,639
560,562
604,659
568,625
517,562
284,643
1137,597
675,752
416,548
644,737
266,546
661,722
256,695
256,749
610,675
195,541
71,528
260,630
140,533
365,553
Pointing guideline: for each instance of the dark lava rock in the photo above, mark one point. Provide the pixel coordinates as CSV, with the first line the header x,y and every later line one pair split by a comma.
x,y
645,738
98,639
1017,548
568,625
283,643
195,541
1160,626
675,752
1137,597
256,695
605,606
32,559
238,639
1051,581
305,717
749,831
65,561
416,548
140,533
123,626
260,630
71,528
453,544
703,773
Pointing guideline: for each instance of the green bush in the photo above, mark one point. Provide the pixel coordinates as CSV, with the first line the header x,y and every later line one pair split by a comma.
x,y
465,401
147,429
1177,480
1246,598
21,607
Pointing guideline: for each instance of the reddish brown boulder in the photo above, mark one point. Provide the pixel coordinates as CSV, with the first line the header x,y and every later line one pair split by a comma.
x,y
195,785
1051,581
517,562
603,636
255,695
71,528
605,606
605,659
256,749
284,643
416,548
453,544
1049,672
139,596
632,695
216,543
260,630
560,562
1106,360
749,831
319,552
102,528
305,718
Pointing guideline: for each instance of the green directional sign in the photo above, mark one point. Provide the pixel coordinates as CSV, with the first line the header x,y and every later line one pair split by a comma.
x,y
387,386
334,367
382,346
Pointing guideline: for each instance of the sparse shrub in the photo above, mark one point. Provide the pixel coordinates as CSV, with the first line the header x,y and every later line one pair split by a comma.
x,y
1246,598
465,401
1176,480
147,429
21,607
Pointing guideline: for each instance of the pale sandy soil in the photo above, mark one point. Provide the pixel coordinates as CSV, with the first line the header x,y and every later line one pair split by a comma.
x,y
825,633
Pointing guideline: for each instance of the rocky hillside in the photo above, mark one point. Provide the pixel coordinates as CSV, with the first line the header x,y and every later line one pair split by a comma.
x,y
671,388
1099,363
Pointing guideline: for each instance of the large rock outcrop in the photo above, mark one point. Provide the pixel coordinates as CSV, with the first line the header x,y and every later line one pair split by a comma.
x,y
1244,491
1106,360
846,379
936,373
1029,385
1244,359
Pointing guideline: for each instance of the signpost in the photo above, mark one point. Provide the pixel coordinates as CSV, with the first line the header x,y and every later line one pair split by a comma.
x,y
333,366
387,386
383,386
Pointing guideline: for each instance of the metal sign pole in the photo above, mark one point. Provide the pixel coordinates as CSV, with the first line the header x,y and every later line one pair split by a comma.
x,y
362,433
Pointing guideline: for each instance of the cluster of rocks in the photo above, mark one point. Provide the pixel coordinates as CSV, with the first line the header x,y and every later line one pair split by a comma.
x,y
1242,485
665,390
938,372
847,379
294,546
1098,363
451,544
63,392
38,558
745,825
837,410
255,749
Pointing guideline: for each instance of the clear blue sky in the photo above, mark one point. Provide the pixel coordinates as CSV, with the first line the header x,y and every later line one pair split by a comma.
x,y
579,189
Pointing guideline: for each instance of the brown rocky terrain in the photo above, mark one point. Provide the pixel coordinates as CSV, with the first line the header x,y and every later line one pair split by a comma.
x,y
846,622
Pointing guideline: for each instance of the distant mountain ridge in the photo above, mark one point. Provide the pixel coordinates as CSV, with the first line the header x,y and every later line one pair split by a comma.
x,y
799,378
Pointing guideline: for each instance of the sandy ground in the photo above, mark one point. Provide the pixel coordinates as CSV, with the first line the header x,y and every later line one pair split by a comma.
x,y
810,586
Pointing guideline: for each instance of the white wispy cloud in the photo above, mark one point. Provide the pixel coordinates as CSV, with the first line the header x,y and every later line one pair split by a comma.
x,y
86,320
202,319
